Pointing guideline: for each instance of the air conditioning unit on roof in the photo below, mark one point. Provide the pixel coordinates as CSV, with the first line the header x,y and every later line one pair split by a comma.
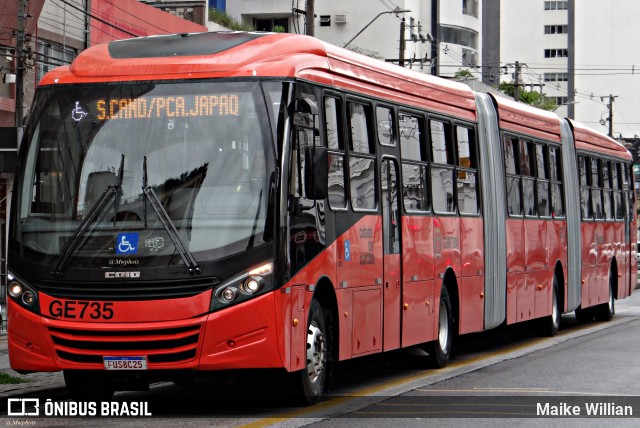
x,y
341,19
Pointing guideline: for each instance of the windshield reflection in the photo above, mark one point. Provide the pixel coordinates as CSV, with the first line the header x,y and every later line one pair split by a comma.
x,y
204,149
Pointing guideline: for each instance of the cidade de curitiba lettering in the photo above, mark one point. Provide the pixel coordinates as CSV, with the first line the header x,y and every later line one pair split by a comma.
x,y
78,408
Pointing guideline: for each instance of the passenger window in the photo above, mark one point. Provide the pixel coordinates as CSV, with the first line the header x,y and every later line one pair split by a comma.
x,y
512,166
466,178
442,179
360,121
335,142
333,123
386,127
414,163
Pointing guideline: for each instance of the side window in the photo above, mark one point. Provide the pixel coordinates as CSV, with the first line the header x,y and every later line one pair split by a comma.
x,y
442,167
414,162
586,209
555,176
527,162
607,193
306,219
467,167
362,157
334,133
360,121
542,181
596,189
616,178
512,167
386,126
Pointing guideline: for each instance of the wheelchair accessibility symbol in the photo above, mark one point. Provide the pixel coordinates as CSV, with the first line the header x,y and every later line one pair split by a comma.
x,y
127,243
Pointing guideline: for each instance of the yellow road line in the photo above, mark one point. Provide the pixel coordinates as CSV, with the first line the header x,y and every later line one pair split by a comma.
x,y
336,401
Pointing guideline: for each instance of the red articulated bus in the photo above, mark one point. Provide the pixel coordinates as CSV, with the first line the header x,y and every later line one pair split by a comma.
x,y
200,202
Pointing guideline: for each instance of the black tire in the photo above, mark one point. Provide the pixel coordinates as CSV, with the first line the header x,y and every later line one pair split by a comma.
x,y
551,323
584,316
605,311
88,386
440,350
311,380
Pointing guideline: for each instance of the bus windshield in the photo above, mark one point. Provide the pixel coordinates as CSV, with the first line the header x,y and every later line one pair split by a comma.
x,y
204,149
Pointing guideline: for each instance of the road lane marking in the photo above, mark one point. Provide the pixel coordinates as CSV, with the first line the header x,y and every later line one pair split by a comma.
x,y
334,401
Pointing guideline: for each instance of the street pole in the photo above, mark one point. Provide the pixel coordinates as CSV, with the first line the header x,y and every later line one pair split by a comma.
x,y
402,43
610,108
397,11
20,62
516,84
435,22
310,18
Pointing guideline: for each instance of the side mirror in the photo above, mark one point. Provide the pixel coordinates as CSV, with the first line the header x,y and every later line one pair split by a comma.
x,y
316,173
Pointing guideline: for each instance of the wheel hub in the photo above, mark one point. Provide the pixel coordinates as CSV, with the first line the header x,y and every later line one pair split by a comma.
x,y
316,352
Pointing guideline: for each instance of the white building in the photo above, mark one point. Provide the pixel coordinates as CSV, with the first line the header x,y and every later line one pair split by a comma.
x,y
377,28
583,51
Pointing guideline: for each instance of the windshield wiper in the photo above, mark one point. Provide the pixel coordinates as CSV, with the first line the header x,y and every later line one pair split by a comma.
x,y
165,220
96,209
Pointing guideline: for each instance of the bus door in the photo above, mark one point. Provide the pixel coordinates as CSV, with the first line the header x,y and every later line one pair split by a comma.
x,y
392,257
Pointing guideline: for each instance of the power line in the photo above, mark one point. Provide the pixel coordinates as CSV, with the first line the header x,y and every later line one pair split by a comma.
x,y
98,19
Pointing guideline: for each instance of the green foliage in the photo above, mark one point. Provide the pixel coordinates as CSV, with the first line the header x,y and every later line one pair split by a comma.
x,y
463,73
278,29
533,98
226,21
6,379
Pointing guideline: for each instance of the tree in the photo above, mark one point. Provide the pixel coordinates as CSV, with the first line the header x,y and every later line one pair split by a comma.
x,y
536,99
227,21
463,74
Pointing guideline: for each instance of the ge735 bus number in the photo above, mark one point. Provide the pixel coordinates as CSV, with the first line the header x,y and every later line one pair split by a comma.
x,y
78,309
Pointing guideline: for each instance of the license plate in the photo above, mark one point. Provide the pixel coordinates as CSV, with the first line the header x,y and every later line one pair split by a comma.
x,y
125,363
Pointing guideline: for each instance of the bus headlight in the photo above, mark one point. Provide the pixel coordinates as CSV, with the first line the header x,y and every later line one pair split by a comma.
x,y
22,294
244,286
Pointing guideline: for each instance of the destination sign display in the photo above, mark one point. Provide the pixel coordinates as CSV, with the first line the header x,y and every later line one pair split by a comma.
x,y
168,107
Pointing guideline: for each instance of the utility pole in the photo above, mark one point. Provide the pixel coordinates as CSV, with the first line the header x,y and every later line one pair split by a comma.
x,y
310,18
610,108
402,43
516,82
20,63
435,22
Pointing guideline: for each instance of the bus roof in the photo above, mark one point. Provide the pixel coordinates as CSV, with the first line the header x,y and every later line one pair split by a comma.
x,y
589,139
525,119
242,54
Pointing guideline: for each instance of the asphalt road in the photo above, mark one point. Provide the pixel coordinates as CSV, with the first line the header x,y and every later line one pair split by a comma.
x,y
484,385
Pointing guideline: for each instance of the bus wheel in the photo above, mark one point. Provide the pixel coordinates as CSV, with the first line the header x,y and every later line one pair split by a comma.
x,y
552,322
87,386
314,376
439,350
605,311
584,315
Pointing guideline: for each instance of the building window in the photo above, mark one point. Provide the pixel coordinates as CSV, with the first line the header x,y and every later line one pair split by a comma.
x,y
459,36
469,57
560,100
556,5
556,29
470,7
278,25
556,53
52,55
556,77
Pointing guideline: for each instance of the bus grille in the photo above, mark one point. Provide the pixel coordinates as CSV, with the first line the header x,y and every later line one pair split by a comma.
x,y
167,345
129,290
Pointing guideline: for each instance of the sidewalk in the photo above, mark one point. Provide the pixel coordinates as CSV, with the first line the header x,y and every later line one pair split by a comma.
x,y
37,382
